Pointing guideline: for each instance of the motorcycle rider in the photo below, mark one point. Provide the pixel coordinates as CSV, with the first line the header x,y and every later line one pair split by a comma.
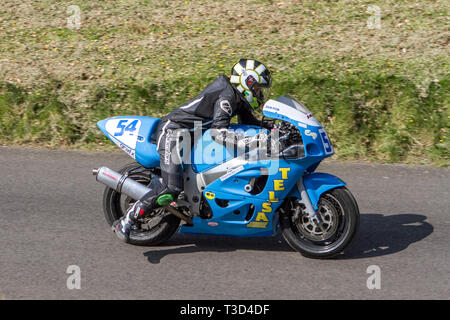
x,y
247,88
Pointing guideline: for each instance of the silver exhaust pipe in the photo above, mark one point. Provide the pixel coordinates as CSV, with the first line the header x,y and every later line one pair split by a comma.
x,y
120,183
129,187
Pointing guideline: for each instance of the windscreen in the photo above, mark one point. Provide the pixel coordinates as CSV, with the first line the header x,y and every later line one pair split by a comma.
x,y
294,104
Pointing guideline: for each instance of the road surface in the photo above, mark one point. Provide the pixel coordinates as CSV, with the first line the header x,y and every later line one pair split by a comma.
x,y
51,218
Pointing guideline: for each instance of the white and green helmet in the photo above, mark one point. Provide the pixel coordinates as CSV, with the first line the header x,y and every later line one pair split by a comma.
x,y
253,79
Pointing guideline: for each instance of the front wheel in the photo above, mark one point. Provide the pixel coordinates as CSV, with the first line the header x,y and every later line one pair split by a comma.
x,y
339,213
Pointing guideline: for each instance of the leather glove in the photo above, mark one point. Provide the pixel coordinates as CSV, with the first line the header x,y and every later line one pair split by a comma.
x,y
268,124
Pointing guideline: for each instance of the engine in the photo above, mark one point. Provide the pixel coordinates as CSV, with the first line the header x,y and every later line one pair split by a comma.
x,y
290,139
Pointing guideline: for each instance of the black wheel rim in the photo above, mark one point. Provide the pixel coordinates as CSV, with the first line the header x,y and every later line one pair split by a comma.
x,y
335,218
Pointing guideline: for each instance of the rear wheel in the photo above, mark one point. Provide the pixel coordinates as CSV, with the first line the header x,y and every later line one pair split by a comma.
x,y
340,216
158,227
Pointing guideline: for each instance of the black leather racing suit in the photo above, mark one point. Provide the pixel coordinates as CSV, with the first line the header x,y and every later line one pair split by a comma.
x,y
214,108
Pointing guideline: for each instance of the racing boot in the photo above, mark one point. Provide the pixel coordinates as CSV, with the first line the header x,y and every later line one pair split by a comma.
x,y
122,226
142,208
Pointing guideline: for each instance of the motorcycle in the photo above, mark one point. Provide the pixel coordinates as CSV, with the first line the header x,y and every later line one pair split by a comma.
x,y
237,194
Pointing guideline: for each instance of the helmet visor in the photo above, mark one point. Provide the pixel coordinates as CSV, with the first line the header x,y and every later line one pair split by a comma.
x,y
260,92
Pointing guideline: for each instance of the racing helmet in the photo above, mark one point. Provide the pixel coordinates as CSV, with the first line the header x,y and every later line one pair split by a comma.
x,y
253,80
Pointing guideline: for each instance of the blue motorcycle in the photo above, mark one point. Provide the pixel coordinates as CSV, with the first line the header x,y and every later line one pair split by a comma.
x,y
255,193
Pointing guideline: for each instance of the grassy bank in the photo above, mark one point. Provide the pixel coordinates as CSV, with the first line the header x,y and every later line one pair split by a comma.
x,y
382,94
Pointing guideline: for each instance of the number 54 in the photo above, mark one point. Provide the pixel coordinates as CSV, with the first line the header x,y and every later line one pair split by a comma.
x,y
122,126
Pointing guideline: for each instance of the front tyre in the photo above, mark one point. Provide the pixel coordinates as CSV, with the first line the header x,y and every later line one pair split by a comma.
x,y
340,216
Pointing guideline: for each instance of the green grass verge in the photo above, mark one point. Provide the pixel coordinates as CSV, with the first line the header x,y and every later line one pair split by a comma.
x,y
382,94
368,116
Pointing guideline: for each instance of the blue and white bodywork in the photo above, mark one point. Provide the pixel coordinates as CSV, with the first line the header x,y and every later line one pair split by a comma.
x,y
243,192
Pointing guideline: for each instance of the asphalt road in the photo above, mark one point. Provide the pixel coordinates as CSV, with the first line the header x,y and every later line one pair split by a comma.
x,y
51,217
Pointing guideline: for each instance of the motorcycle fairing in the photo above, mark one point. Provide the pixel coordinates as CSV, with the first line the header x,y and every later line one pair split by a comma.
x,y
238,213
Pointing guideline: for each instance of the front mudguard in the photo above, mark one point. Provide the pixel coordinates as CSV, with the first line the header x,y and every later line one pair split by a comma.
x,y
316,184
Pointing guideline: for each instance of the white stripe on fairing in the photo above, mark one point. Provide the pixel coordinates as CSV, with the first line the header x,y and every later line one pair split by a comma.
x,y
260,69
192,103
287,111
235,79
250,64
240,88
162,133
238,68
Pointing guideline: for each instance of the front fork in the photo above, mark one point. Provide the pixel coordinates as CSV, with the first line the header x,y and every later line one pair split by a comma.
x,y
313,215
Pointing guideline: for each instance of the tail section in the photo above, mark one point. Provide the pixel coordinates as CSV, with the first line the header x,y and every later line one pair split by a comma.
x,y
135,135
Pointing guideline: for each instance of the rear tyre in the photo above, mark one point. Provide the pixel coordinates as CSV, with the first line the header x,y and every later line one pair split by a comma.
x,y
340,215
154,230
